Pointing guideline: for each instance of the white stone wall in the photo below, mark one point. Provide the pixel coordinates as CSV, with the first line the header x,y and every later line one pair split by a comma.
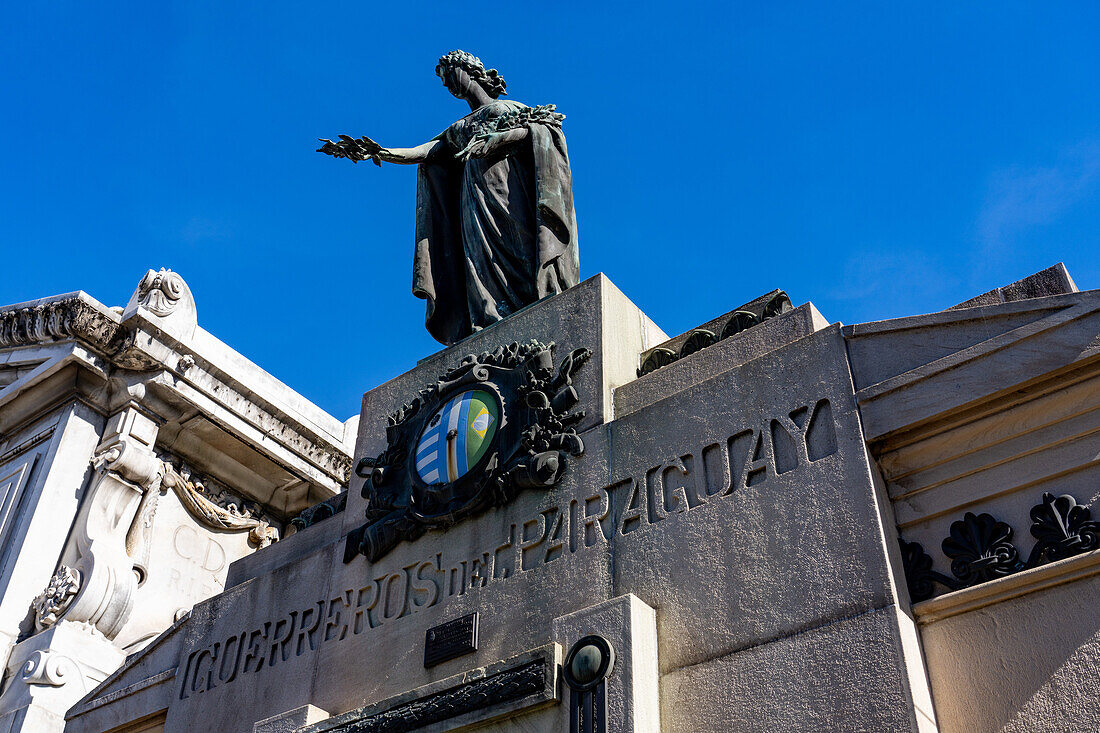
x,y
139,457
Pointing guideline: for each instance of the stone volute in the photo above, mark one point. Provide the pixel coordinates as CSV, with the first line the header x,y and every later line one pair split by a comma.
x,y
164,298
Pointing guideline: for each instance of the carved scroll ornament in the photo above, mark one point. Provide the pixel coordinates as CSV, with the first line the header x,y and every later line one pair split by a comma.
x,y
113,531
45,667
160,291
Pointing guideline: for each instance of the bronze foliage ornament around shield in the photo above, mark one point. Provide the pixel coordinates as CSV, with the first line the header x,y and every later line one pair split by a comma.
x,y
528,450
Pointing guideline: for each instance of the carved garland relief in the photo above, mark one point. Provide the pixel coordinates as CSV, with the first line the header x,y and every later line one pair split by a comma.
x,y
125,469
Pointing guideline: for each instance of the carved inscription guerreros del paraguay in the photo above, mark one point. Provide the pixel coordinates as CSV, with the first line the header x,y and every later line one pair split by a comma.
x,y
697,480
496,424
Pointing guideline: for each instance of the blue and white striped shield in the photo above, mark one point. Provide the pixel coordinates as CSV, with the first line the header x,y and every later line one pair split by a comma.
x,y
457,437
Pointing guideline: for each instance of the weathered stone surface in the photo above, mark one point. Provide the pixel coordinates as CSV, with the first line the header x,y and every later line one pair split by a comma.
x,y
1025,664
50,671
911,371
502,690
183,563
825,679
286,550
240,650
737,500
1054,280
54,669
290,721
801,511
519,566
538,542
164,297
58,318
630,628
138,691
39,468
752,490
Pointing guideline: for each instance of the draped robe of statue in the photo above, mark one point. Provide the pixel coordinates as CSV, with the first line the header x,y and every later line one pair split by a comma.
x,y
493,234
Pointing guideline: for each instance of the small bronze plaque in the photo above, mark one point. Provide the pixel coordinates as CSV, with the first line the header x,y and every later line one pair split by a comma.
x,y
452,639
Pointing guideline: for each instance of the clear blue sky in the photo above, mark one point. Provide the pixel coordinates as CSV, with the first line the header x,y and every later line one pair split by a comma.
x,y
878,159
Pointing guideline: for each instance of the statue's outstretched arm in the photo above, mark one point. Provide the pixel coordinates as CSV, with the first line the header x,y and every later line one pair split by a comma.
x,y
412,156
366,149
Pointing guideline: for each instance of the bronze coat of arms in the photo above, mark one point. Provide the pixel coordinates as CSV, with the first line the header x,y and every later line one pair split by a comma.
x,y
498,423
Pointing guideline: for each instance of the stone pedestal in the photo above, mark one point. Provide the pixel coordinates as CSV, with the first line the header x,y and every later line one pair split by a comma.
x,y
632,687
751,539
593,315
726,528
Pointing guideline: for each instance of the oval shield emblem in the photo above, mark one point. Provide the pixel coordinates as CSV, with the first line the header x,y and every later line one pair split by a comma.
x,y
457,437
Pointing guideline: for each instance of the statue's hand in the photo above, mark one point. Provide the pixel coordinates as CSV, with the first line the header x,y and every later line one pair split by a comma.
x,y
481,146
355,150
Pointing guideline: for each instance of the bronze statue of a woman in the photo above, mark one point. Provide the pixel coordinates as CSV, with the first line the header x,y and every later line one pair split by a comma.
x,y
495,227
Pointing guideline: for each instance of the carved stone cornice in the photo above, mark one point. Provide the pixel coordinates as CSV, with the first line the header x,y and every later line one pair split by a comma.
x,y
283,429
144,343
61,319
74,318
